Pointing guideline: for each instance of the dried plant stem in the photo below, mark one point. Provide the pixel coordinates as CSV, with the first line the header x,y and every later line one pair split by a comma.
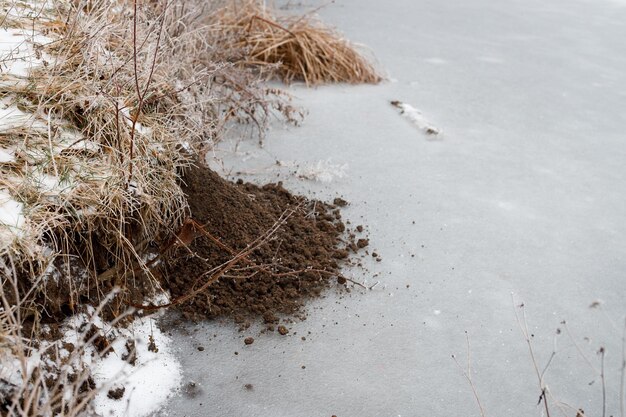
x,y
523,325
622,384
141,95
467,373
602,379
579,349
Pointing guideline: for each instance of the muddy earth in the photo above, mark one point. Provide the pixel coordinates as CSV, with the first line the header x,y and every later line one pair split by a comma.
x,y
298,261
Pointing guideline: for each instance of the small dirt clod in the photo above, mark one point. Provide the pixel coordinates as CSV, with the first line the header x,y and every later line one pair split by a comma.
x,y
116,393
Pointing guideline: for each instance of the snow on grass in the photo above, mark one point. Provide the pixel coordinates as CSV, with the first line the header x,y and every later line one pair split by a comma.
x,y
6,155
18,54
416,118
11,117
147,381
72,139
10,211
11,218
10,369
50,185
139,128
13,367
53,160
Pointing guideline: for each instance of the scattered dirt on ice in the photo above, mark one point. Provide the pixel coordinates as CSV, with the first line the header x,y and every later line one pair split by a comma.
x,y
116,393
237,214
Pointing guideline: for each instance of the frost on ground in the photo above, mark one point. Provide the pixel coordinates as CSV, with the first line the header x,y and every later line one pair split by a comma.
x,y
416,118
322,171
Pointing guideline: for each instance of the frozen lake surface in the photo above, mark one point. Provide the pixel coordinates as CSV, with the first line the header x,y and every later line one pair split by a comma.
x,y
523,193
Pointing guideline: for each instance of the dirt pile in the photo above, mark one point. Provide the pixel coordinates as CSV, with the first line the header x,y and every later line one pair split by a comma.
x,y
298,261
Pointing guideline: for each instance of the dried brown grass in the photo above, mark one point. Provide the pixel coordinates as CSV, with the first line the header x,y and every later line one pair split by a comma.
x,y
291,48
112,123
108,123
125,95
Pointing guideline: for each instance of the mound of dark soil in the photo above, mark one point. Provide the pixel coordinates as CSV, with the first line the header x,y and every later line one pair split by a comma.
x,y
298,261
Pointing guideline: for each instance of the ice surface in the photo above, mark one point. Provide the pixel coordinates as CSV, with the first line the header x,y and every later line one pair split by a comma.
x,y
525,194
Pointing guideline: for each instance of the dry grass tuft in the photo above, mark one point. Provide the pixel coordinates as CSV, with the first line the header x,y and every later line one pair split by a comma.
x,y
292,48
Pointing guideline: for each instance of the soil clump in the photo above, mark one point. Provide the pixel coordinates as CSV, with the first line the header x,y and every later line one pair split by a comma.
x,y
298,261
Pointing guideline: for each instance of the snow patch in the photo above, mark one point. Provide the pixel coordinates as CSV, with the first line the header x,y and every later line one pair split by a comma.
x,y
139,127
140,360
11,117
416,118
11,216
18,54
149,383
6,155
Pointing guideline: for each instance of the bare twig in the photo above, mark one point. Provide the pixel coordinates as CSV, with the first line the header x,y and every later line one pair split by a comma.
x,y
467,373
523,325
622,384
601,352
